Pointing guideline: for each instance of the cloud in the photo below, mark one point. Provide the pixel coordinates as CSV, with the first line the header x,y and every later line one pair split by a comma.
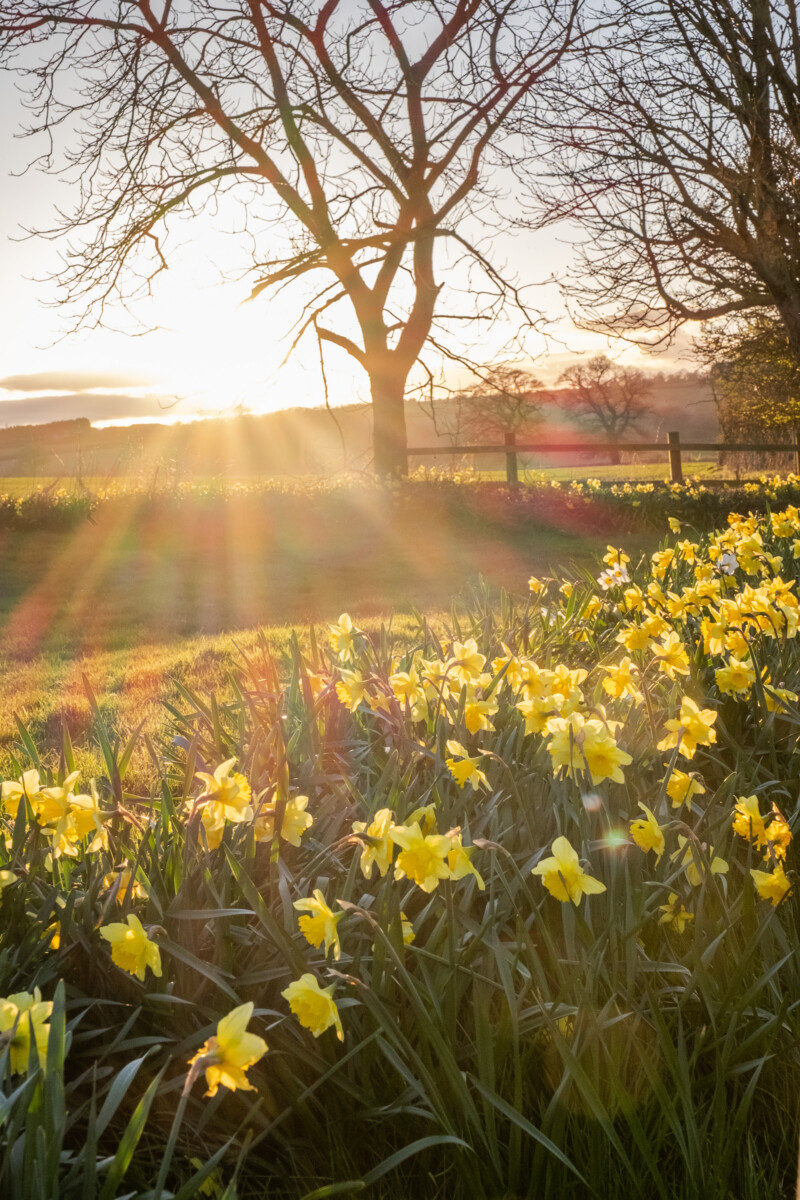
x,y
72,381
41,409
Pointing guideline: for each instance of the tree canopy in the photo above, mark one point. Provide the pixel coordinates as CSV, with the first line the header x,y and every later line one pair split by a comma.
x,y
679,137
365,140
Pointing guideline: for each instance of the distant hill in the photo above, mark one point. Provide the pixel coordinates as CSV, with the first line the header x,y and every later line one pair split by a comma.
x,y
303,440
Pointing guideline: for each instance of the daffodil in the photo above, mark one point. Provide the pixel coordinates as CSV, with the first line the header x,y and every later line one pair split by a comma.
x,y
351,689
779,835
422,858
131,948
633,638
459,860
736,678
322,923
671,655
465,770
126,878
232,1051
772,885
693,727
647,833
696,858
674,913
577,743
23,1016
13,790
407,929
681,787
477,710
748,822
229,790
295,820
343,636
466,661
622,679
314,1006
378,845
563,875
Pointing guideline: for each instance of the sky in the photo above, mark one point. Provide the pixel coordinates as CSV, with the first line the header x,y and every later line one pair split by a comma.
x,y
211,352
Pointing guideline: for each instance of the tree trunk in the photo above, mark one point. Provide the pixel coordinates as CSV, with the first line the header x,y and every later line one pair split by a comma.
x,y
614,455
389,438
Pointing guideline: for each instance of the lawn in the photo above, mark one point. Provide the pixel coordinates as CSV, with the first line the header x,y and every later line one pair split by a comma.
x,y
144,595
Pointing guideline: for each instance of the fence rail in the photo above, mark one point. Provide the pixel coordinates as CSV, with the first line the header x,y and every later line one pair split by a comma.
x,y
673,447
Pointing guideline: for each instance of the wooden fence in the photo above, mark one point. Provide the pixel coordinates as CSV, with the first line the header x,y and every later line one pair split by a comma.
x,y
673,447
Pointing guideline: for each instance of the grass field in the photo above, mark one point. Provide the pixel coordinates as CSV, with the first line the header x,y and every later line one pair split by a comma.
x,y
25,485
138,599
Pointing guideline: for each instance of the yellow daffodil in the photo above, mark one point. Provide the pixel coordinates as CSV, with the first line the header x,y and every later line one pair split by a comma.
x,y
131,948
578,743
693,727
322,923
647,833
295,821
229,790
621,680
314,1006
779,835
614,557
674,913
459,860
125,877
422,858
736,678
378,845
671,655
343,636
465,770
351,689
477,711
563,875
748,822
681,787
232,1051
407,929
633,638
772,885
694,859
466,661
13,790
26,1015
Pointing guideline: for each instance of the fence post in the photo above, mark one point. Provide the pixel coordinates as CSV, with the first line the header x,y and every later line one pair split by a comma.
x,y
675,469
512,473
797,450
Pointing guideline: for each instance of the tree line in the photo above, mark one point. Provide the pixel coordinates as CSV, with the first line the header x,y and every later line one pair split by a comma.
x,y
373,149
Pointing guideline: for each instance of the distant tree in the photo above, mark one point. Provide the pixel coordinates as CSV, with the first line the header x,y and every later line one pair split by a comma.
x,y
362,137
754,375
605,397
506,400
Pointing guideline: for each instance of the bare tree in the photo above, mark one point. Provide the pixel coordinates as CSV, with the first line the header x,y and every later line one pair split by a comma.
x,y
682,145
606,397
506,400
363,137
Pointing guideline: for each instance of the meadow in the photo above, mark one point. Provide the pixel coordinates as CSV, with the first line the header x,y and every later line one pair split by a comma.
x,y
492,899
